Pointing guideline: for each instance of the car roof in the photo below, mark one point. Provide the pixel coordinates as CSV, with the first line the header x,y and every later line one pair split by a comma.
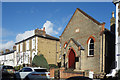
x,y
35,67
6,65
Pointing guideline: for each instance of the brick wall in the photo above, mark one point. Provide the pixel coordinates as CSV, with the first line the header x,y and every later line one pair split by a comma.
x,y
64,74
49,48
87,28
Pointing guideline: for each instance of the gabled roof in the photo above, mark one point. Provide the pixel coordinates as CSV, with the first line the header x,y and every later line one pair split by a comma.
x,y
42,36
89,16
77,44
12,51
95,21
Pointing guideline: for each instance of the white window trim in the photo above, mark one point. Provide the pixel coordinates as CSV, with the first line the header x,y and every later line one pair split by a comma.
x,y
65,45
17,48
33,43
21,47
36,46
77,30
27,45
88,47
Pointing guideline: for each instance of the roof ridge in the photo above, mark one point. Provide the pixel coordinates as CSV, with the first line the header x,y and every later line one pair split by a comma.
x,y
90,17
76,42
94,20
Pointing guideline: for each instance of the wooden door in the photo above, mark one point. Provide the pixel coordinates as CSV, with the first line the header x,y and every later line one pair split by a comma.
x,y
71,59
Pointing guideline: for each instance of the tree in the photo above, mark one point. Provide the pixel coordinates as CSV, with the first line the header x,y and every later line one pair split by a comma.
x,y
40,61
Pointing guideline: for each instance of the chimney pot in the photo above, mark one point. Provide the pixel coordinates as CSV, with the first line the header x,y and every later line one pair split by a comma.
x,y
14,47
44,29
113,14
2,52
7,50
112,23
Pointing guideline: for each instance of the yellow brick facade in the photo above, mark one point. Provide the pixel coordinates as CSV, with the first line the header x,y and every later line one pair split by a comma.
x,y
47,45
49,48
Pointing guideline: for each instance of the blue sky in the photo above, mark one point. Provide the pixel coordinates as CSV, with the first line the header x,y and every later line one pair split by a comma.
x,y
18,17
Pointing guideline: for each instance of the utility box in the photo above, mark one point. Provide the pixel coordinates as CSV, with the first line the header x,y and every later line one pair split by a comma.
x,y
91,73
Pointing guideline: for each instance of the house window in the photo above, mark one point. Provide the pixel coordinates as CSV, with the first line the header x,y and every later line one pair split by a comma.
x,y
65,45
91,47
27,45
33,43
77,30
21,47
17,48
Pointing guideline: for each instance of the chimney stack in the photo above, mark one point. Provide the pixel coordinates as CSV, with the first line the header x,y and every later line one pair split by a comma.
x,y
7,50
44,32
14,47
2,52
112,23
113,14
44,29
40,31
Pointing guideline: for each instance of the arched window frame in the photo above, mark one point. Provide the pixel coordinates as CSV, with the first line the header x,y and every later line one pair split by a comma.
x,y
89,54
65,45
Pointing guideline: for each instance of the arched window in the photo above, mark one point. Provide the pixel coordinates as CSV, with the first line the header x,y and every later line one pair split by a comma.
x,y
91,47
65,45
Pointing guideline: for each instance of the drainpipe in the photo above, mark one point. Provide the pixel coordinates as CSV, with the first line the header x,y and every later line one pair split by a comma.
x,y
102,53
80,60
102,70
116,41
56,53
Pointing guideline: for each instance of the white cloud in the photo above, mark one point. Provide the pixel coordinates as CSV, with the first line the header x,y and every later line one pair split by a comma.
x,y
5,32
55,32
59,28
24,35
49,28
8,45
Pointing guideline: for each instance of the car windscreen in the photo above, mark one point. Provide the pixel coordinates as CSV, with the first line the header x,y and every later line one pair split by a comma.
x,y
7,67
41,70
27,69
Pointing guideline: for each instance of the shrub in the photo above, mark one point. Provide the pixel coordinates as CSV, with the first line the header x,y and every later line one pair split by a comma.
x,y
18,67
53,66
40,61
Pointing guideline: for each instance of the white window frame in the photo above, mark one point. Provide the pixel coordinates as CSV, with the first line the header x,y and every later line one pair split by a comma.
x,y
27,45
21,47
89,46
17,48
77,30
65,45
33,43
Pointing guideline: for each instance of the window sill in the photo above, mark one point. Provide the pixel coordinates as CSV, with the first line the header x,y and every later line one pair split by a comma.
x,y
90,56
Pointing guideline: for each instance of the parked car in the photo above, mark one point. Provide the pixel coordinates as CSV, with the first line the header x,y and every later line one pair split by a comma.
x,y
78,78
32,73
7,71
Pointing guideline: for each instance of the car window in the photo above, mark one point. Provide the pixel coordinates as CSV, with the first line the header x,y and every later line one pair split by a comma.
x,y
27,70
41,70
7,67
20,70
